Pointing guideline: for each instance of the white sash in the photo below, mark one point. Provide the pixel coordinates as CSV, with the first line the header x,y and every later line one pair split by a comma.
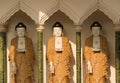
x,y
21,44
96,43
58,43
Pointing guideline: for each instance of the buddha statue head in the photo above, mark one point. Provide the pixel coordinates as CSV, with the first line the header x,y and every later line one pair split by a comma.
x,y
20,29
96,28
57,29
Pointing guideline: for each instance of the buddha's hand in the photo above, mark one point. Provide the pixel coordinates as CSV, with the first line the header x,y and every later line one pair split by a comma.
x,y
14,68
51,67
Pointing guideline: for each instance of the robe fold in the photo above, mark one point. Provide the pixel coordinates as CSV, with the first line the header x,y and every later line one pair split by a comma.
x,y
61,60
99,61
23,61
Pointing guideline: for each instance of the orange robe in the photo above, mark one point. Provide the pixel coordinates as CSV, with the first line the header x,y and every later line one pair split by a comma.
x,y
23,60
61,60
99,61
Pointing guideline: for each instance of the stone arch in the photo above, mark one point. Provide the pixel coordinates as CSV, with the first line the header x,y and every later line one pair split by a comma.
x,y
21,5
110,13
60,5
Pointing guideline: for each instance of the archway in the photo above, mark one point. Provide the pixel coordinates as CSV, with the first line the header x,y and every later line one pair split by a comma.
x,y
107,31
68,31
21,16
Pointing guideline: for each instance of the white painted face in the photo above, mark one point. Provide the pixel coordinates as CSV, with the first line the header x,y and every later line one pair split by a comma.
x,y
96,31
57,31
20,32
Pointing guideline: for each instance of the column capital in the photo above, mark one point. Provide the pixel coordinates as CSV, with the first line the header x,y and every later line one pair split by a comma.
x,y
2,27
40,27
78,28
117,27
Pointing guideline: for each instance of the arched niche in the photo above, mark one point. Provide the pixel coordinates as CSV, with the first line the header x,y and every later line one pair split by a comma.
x,y
21,16
69,32
107,31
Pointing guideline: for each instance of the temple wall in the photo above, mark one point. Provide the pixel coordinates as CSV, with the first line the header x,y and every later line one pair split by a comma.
x,y
69,13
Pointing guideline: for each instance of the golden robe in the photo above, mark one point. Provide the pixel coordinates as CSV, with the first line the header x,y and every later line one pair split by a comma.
x,y
61,61
99,61
23,60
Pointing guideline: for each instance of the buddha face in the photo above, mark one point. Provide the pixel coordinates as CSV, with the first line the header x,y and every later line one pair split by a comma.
x,y
57,31
96,31
20,32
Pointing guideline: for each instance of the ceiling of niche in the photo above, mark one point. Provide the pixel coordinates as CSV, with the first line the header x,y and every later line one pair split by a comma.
x,y
58,16
19,16
98,16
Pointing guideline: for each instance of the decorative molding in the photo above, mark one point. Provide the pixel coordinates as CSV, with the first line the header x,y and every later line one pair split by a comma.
x,y
117,27
2,28
69,11
40,27
25,6
20,5
78,28
109,12
9,13
100,5
60,5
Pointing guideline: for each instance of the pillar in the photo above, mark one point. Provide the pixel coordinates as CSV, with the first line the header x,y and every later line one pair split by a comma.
x,y
78,53
117,52
3,57
40,29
